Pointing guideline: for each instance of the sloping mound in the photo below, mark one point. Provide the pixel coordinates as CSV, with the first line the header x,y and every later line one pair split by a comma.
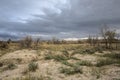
x,y
22,56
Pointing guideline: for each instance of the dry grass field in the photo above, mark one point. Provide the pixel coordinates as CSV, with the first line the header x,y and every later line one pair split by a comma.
x,y
59,62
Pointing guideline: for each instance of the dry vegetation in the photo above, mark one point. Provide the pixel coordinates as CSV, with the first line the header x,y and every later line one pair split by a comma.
x,y
30,59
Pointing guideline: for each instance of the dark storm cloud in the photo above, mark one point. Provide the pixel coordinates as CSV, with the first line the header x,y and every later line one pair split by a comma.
x,y
59,18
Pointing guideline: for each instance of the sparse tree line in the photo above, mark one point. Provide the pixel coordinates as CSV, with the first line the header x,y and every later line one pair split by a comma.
x,y
108,38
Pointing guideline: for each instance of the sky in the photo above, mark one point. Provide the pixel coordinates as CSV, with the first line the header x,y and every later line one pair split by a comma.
x,y
57,18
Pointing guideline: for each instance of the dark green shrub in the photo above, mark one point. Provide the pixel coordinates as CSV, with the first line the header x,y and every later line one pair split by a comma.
x,y
49,56
99,49
84,63
66,53
11,66
71,71
19,60
104,62
60,58
78,52
112,55
32,66
55,57
67,63
89,51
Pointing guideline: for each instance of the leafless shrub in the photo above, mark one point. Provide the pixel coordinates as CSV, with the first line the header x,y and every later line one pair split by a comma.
x,y
36,43
9,41
89,40
4,45
26,42
55,41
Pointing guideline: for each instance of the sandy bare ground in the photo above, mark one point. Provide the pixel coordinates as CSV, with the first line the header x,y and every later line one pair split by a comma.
x,y
50,68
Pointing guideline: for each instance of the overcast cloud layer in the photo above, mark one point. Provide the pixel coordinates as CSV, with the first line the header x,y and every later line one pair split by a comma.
x,y
56,18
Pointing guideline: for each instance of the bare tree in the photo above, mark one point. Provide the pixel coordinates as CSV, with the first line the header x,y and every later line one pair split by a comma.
x,y
103,34
111,37
117,40
95,40
108,36
89,40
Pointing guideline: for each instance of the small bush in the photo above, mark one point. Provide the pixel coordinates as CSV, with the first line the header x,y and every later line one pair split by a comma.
x,y
84,63
55,57
25,71
103,62
19,60
11,66
60,58
66,53
26,42
32,66
112,55
66,70
78,52
4,45
67,63
77,69
49,56
71,71
36,43
99,49
96,72
89,51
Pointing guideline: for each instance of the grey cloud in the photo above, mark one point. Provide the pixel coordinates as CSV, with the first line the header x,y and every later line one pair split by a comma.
x,y
74,18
